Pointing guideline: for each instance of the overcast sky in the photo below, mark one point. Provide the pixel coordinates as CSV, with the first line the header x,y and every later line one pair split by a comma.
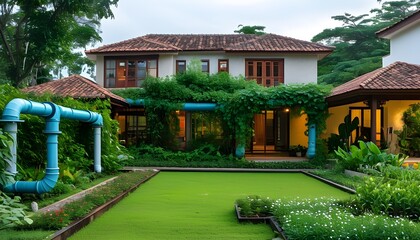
x,y
301,19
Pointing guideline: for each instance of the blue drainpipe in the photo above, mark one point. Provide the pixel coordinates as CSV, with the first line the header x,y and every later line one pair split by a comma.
x,y
311,141
52,113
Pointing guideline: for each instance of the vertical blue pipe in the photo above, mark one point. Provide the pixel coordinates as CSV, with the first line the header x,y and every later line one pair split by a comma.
x,y
11,128
97,149
311,141
240,150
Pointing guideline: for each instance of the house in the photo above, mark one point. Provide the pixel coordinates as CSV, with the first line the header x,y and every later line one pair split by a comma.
x,y
380,97
268,59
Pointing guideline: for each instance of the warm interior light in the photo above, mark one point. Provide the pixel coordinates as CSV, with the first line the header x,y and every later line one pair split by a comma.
x,y
286,110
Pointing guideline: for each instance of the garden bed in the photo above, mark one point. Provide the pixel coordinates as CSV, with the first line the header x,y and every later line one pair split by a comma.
x,y
270,220
79,224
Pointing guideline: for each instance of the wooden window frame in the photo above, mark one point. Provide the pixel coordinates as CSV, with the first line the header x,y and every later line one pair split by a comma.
x,y
264,78
126,59
177,65
227,65
208,65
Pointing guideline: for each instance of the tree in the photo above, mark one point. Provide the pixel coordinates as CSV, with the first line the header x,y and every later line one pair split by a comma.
x,y
358,50
258,30
36,35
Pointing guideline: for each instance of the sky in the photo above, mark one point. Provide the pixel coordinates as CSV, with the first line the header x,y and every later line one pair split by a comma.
x,y
301,19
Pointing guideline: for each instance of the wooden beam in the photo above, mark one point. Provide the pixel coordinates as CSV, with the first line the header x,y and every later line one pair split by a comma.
x,y
373,107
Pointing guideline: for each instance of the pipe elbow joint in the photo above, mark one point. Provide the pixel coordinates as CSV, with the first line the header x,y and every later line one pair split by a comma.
x,y
13,109
99,122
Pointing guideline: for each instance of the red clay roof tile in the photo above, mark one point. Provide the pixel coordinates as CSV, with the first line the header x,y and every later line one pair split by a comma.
x,y
397,76
75,86
212,42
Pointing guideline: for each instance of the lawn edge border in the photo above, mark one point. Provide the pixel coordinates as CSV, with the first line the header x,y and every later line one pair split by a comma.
x,y
272,221
329,182
81,223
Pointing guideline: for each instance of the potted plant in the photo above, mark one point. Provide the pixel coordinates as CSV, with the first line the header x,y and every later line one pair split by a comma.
x,y
297,150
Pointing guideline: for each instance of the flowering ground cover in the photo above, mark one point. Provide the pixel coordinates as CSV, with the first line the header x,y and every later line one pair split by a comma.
x,y
193,205
328,219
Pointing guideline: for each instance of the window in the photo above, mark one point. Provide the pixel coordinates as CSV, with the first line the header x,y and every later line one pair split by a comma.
x,y
181,66
223,65
205,66
265,72
363,130
128,72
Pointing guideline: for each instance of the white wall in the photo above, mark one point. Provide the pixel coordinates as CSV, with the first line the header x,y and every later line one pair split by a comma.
x,y
405,47
298,68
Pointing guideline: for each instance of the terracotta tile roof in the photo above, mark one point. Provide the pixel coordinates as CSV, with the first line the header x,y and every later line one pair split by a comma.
x,y
406,22
212,42
397,81
75,86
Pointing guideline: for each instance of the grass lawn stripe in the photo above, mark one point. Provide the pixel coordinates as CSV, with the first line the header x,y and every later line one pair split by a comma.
x,y
194,205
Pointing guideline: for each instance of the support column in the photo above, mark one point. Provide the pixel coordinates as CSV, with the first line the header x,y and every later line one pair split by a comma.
x,y
188,127
97,149
311,141
373,107
11,128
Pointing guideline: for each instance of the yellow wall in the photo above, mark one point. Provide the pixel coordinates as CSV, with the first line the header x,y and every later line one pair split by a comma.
x,y
336,117
297,130
393,111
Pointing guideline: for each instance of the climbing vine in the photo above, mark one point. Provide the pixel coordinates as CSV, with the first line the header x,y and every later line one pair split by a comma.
x,y
237,99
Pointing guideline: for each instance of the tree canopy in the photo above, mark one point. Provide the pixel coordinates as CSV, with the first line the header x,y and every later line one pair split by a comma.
x,y
358,50
258,30
37,35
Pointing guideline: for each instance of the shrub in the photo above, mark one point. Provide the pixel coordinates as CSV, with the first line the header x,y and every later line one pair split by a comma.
x,y
12,212
393,197
328,219
255,206
368,155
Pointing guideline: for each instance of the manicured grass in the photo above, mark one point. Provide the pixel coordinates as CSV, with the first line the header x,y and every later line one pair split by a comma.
x,y
179,205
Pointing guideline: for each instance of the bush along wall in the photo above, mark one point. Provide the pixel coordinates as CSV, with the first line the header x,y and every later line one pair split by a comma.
x,y
237,100
75,142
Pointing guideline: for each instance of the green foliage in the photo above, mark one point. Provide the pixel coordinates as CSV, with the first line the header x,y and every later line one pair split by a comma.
x,y
392,197
357,49
12,212
255,206
5,157
257,30
367,155
36,35
206,157
237,98
342,139
328,219
409,136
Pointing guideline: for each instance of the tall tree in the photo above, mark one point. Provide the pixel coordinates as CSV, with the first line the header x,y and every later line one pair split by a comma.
x,y
358,50
35,35
258,30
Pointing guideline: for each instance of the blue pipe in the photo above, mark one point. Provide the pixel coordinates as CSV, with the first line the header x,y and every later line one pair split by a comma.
x,y
311,141
53,114
185,106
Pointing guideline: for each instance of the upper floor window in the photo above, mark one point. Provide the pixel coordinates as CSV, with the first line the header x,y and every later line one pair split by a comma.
x,y
265,72
181,66
223,65
122,73
205,66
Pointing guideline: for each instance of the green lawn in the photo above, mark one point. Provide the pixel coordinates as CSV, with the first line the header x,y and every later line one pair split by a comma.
x,y
180,205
